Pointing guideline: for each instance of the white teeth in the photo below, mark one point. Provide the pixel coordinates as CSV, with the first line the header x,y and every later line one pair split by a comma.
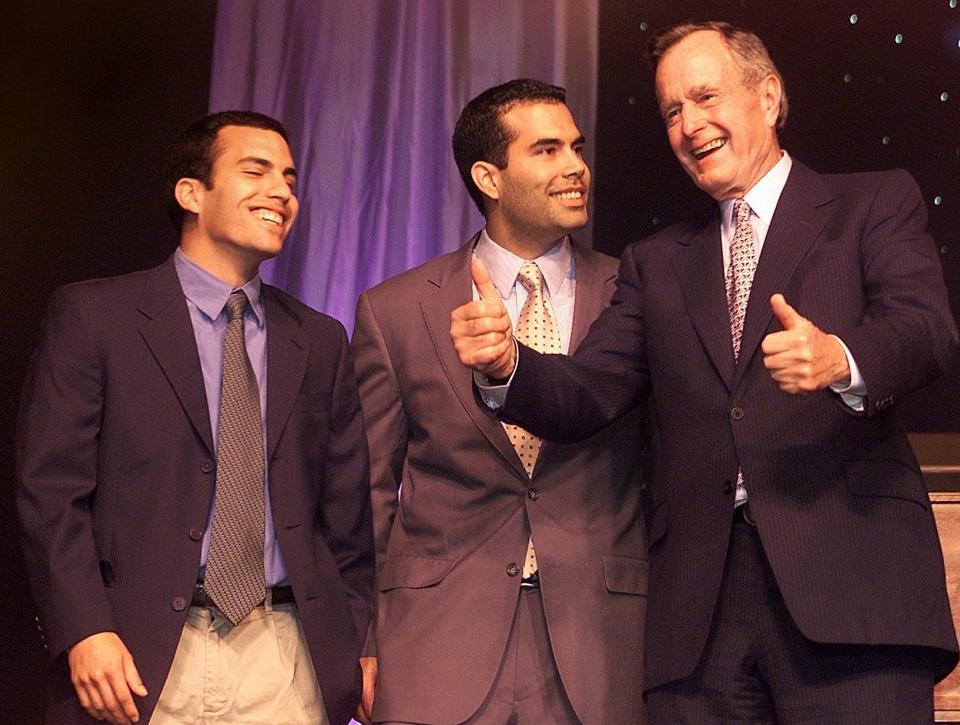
x,y
570,195
707,147
269,216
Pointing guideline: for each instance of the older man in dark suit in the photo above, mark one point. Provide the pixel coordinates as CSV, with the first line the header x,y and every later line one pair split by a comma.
x,y
511,575
795,570
193,470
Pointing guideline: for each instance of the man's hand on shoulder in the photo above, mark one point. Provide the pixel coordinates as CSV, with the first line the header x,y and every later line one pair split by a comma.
x,y
103,674
802,358
481,331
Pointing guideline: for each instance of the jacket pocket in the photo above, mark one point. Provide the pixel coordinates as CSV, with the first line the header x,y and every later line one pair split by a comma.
x,y
412,572
886,478
625,575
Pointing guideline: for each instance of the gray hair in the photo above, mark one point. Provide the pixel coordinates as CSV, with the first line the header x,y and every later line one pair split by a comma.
x,y
749,51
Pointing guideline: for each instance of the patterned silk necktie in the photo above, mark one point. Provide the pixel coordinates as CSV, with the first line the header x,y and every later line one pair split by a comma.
x,y
740,274
234,577
739,280
537,329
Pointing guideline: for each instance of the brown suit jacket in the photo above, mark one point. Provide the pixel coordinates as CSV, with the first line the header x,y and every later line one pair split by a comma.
x,y
444,547
117,468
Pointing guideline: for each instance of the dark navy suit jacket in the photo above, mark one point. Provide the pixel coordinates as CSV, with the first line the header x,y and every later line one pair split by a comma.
x,y
116,471
845,519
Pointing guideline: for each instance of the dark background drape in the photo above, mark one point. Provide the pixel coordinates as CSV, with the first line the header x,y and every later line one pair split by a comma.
x,y
93,91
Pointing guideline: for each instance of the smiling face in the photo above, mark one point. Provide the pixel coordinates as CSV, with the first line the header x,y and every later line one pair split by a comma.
x,y
244,216
541,194
722,132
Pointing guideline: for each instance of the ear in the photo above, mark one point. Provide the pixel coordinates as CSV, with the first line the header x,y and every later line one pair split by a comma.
x,y
487,178
770,91
187,194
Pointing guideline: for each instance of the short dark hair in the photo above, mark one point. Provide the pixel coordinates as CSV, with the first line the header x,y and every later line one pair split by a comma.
x,y
192,154
751,54
480,134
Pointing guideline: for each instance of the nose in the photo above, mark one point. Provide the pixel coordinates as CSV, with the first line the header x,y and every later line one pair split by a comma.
x,y
280,188
576,166
692,119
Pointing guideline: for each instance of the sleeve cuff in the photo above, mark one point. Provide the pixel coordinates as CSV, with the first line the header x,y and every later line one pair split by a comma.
x,y
854,390
495,395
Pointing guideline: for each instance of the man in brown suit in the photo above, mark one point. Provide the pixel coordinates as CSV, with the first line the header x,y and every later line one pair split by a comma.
x,y
465,632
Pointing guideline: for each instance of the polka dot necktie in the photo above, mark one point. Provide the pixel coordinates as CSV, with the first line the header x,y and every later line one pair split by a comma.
x,y
537,329
739,280
234,576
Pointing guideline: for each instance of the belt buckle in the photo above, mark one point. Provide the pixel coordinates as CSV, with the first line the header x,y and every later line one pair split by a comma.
x,y
531,582
747,514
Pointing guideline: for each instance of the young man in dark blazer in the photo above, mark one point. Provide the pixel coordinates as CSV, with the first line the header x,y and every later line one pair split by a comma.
x,y
465,631
795,571
123,434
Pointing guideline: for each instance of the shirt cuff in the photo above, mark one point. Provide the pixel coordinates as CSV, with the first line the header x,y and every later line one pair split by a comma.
x,y
854,390
495,395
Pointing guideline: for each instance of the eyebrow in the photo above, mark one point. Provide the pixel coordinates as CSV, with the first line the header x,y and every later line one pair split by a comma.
x,y
265,164
541,142
694,93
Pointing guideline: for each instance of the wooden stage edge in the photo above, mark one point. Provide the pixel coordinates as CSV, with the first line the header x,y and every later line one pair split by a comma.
x,y
939,456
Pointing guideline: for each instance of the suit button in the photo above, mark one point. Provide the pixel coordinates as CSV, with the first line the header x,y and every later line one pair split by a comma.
x,y
196,534
533,494
206,466
179,604
736,413
727,486
513,568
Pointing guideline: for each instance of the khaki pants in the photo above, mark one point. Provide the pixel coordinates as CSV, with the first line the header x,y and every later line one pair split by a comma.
x,y
257,673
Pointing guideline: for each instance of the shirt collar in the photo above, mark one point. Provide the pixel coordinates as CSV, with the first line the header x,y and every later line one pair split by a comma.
x,y
209,293
504,265
763,196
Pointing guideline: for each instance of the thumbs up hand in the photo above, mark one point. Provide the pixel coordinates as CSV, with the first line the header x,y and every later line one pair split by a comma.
x,y
481,331
802,357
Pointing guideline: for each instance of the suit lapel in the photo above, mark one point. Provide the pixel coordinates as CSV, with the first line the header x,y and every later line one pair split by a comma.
x,y
450,288
699,269
801,214
286,364
168,333
590,299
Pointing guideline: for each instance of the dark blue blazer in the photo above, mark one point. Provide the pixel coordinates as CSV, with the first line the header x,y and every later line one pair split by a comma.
x,y
841,506
116,473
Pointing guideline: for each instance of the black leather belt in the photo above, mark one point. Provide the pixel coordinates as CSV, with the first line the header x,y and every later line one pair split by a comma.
x,y
531,582
744,514
278,595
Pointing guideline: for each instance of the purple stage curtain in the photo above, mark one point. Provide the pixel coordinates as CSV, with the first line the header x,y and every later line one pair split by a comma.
x,y
370,92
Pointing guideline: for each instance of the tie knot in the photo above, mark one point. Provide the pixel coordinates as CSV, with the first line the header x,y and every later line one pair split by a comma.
x,y
236,304
530,276
741,211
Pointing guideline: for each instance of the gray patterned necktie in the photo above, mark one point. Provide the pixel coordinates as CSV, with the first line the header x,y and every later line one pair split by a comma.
x,y
739,280
740,274
537,329
234,577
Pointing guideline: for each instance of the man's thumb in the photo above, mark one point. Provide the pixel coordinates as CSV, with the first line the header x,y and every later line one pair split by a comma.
x,y
789,317
481,278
